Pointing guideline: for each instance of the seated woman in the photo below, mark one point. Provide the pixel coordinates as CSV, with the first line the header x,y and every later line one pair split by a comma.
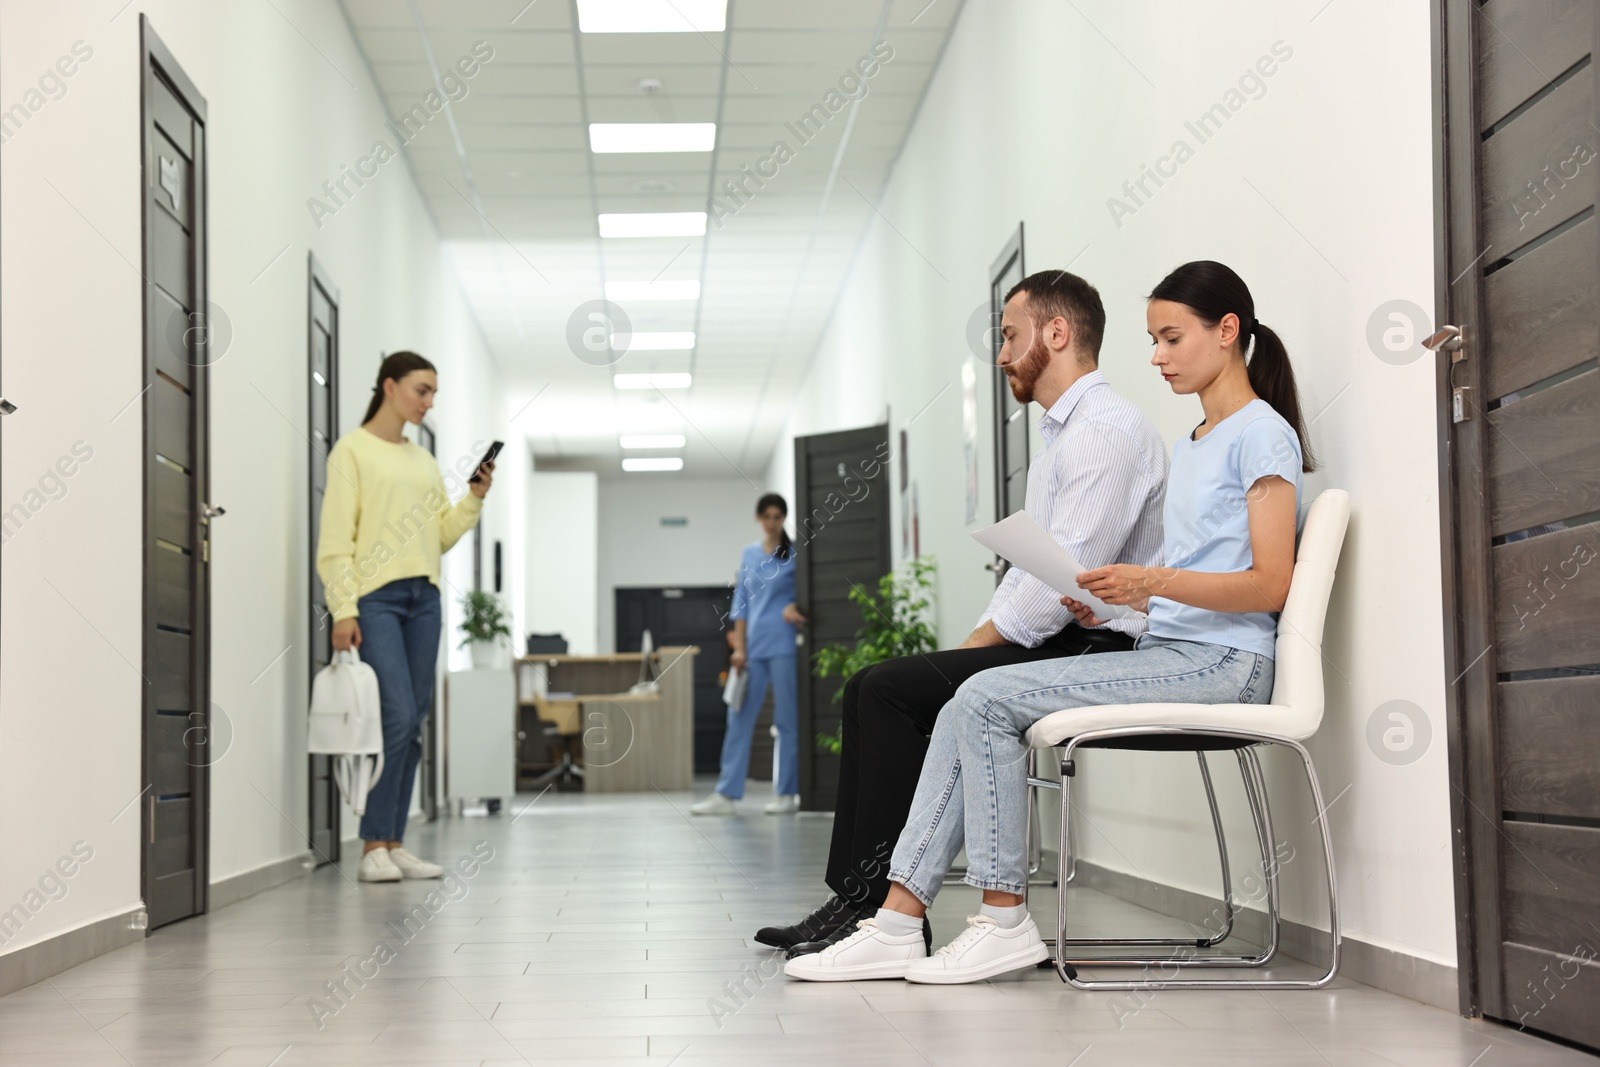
x,y
1230,515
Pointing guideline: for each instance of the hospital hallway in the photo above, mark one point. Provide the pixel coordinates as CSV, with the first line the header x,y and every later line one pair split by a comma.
x,y
854,532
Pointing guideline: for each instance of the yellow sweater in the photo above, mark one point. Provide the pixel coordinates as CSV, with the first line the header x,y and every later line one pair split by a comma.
x,y
385,516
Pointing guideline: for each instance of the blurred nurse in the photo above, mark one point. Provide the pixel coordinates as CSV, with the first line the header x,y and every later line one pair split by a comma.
x,y
764,620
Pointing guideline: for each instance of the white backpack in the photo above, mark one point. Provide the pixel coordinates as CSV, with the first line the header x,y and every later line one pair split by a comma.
x,y
347,723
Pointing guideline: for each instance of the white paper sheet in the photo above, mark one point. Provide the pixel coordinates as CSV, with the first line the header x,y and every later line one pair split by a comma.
x,y
1022,541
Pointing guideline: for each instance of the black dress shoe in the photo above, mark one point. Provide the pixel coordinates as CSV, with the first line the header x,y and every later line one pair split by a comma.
x,y
833,915
808,947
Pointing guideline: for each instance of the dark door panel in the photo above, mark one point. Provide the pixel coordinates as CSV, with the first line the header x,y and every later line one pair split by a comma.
x,y
1518,273
845,545
322,384
176,580
694,615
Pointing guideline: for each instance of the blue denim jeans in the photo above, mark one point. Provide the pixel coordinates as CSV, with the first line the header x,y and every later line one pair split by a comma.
x,y
974,784
400,625
777,671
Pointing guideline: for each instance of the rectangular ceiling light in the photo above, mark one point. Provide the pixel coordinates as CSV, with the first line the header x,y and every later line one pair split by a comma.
x,y
665,341
631,291
652,16
652,136
652,440
663,463
651,381
653,224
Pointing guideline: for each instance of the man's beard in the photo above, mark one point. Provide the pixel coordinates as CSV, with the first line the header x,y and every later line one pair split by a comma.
x,y
1025,374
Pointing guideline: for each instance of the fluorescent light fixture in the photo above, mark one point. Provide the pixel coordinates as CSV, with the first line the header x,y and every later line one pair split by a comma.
x,y
651,381
652,136
663,463
652,440
653,224
652,16
665,341
633,291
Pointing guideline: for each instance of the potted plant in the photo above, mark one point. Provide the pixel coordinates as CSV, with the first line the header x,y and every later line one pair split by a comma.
x,y
485,623
895,623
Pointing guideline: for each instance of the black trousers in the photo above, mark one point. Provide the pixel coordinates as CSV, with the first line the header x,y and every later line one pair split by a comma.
x,y
889,712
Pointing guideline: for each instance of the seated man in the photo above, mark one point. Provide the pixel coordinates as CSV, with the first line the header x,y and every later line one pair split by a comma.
x,y
1097,486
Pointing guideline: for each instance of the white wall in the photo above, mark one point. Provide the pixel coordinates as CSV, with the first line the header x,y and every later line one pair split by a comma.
x,y
563,569
282,120
1319,193
635,549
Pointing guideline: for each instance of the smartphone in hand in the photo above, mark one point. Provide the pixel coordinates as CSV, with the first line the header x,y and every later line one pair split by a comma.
x,y
494,450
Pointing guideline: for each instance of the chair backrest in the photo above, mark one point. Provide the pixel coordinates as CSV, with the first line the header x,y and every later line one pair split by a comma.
x,y
1297,672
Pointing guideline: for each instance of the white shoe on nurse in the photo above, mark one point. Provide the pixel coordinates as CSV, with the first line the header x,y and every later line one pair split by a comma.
x,y
868,953
787,804
983,950
715,804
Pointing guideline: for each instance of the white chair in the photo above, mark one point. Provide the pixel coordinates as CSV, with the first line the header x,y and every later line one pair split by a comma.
x,y
1293,715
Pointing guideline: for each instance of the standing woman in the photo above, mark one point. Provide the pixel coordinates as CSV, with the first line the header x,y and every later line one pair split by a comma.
x,y
386,519
764,621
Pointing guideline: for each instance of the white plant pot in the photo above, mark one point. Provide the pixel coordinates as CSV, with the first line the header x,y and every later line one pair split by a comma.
x,y
485,655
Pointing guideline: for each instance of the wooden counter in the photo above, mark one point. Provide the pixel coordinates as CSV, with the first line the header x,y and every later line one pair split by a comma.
x,y
631,742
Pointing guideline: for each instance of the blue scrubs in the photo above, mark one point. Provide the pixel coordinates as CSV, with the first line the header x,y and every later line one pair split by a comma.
x,y
765,585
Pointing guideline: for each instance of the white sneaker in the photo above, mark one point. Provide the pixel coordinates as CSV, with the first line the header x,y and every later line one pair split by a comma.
x,y
868,953
715,804
377,867
982,951
411,867
787,804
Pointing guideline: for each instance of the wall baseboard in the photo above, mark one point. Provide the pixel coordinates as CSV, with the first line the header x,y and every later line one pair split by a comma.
x,y
1383,968
48,958
237,887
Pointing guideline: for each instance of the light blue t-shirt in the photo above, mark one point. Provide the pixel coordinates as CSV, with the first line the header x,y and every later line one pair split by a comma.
x,y
765,585
1207,519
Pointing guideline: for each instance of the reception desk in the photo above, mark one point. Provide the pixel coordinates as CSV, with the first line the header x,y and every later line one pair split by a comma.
x,y
626,742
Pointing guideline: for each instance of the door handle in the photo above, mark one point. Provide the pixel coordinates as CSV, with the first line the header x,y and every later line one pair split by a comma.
x,y
208,512
1447,339
997,566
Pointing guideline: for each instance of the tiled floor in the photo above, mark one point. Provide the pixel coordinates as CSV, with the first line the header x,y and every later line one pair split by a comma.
x,y
607,930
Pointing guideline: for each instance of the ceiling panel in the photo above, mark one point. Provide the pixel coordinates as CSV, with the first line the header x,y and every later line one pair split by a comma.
x,y
515,206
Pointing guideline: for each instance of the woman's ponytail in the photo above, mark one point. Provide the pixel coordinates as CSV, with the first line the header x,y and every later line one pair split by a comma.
x,y
1212,290
1272,378
396,365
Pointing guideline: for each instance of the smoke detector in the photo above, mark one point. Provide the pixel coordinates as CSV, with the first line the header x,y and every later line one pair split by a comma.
x,y
649,86
653,185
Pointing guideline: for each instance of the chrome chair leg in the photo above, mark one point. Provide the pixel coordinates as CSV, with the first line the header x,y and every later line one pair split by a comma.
x,y
1256,787
1228,907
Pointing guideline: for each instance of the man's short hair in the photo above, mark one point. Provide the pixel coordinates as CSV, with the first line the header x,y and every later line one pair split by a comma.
x,y
1057,292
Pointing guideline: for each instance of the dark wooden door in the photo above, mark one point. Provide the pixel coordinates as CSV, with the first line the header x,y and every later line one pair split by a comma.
x,y
690,615
841,530
1519,275
1010,417
179,346
322,383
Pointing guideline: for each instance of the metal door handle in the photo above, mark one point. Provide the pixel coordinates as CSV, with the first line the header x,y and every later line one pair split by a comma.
x,y
207,512
1447,339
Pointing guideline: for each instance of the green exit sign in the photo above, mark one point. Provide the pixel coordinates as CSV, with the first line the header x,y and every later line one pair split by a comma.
x,y
674,520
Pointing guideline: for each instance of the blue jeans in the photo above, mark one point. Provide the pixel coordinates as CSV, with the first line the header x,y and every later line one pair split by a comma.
x,y
779,672
400,641
974,784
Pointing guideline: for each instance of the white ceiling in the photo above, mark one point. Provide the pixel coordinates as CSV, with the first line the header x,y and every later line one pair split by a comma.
x,y
516,198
